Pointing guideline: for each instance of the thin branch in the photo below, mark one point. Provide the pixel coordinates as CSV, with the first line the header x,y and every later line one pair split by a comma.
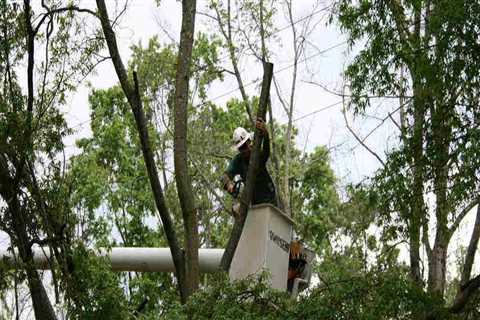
x,y
227,34
279,95
360,141
343,95
60,10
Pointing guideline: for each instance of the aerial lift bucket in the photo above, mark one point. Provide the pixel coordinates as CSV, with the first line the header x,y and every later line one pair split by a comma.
x,y
264,246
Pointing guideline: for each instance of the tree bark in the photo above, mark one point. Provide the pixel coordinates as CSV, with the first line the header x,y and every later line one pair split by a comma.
x,y
134,100
247,194
184,184
465,294
468,286
441,137
472,248
418,206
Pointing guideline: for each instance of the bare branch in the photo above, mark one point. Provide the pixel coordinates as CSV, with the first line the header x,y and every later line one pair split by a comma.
x,y
227,34
60,10
343,95
279,95
360,141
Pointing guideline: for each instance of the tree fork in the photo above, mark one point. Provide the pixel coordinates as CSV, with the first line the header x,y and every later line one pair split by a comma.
x,y
247,194
133,97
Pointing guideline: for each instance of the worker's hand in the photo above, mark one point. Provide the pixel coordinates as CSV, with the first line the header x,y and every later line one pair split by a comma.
x,y
230,187
260,124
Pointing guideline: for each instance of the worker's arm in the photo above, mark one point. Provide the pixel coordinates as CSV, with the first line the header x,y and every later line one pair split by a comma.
x,y
229,174
227,183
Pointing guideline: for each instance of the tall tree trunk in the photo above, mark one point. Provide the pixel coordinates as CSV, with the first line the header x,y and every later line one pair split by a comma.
x,y
133,97
418,206
440,140
184,185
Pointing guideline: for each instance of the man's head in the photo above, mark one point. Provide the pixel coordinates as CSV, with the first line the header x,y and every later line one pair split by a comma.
x,y
241,140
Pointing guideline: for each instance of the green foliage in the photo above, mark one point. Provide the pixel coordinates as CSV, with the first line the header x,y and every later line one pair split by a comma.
x,y
111,172
318,197
246,299
433,44
344,293
97,294
372,295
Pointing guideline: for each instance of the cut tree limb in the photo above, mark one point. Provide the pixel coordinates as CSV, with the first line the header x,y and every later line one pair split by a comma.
x,y
247,194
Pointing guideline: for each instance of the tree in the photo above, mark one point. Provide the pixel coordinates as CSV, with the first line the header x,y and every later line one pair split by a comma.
x,y
110,174
32,184
186,282
438,124
184,184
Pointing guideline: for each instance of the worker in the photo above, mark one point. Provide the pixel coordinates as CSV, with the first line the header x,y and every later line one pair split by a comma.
x,y
264,190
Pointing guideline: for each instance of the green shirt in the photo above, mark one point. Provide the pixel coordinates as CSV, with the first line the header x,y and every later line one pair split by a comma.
x,y
264,190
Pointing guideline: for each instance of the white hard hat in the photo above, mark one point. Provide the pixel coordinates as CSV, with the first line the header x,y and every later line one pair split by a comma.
x,y
240,136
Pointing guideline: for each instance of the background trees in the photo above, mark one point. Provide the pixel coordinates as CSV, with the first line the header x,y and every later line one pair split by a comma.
x,y
432,44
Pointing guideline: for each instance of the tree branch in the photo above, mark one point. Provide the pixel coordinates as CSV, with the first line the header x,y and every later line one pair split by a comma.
x,y
60,10
227,34
472,248
464,295
360,141
462,215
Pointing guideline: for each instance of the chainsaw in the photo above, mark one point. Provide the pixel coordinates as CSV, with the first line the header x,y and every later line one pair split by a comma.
x,y
236,193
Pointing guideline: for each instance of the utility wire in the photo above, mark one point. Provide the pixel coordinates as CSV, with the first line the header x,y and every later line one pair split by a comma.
x,y
318,111
257,80
282,69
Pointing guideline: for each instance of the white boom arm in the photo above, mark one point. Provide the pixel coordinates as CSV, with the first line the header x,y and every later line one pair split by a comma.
x,y
130,259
